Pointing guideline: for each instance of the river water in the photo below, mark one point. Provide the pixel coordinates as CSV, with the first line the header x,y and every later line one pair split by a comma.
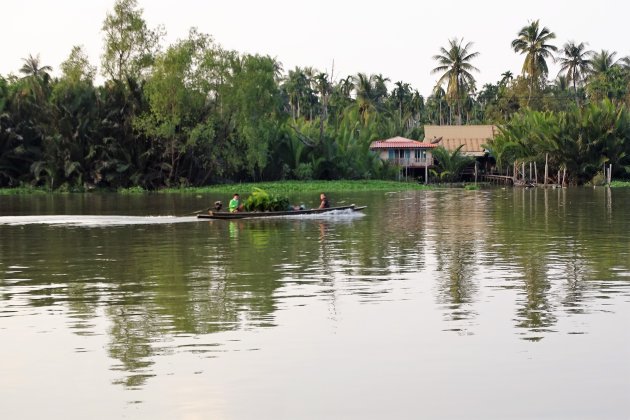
x,y
448,304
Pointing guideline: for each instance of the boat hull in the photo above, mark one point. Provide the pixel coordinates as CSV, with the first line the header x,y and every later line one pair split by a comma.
x,y
258,214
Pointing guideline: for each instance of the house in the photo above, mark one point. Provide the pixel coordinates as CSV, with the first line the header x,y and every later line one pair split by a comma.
x,y
414,157
404,152
453,136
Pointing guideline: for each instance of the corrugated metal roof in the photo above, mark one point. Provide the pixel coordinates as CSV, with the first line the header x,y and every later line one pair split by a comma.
x,y
453,136
400,143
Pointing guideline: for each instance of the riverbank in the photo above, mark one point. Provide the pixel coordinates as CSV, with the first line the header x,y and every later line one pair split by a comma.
x,y
277,187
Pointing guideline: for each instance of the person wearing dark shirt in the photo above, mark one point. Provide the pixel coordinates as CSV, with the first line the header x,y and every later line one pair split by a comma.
x,y
324,204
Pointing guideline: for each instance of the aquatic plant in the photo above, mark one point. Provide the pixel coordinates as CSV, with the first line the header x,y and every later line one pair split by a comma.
x,y
261,200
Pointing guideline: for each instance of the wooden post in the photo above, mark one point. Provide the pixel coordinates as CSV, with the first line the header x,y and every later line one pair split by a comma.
x,y
609,174
523,168
530,170
564,175
546,168
558,179
515,174
535,173
475,172
426,172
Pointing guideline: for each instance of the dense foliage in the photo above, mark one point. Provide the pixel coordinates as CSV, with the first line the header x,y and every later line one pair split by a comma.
x,y
579,141
194,113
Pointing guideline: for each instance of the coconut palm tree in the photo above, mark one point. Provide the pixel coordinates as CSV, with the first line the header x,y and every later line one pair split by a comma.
x,y
323,86
439,94
575,63
33,68
506,78
297,87
534,43
37,78
369,94
380,87
346,86
608,77
454,64
602,61
401,95
561,84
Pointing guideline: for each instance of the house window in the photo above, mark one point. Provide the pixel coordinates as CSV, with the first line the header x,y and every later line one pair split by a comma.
x,y
391,155
420,154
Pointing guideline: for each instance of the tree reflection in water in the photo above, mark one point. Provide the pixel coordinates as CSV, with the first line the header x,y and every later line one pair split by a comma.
x,y
160,285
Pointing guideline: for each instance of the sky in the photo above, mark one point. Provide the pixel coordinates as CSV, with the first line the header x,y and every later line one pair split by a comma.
x,y
396,38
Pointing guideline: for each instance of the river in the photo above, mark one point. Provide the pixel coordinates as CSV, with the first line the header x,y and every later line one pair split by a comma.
x,y
446,304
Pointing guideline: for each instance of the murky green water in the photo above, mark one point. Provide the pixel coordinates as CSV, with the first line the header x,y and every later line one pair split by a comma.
x,y
445,304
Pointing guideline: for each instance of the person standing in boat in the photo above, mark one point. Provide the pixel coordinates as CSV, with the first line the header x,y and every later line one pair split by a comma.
x,y
324,203
235,204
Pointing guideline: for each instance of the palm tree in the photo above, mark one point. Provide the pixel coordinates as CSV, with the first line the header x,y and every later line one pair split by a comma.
x,y
534,43
346,86
32,67
450,164
607,77
417,103
401,95
37,77
297,86
438,95
561,84
380,87
602,61
575,63
324,88
456,68
506,78
368,92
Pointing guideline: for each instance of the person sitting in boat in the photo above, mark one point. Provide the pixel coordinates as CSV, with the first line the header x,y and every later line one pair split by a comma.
x,y
235,204
324,203
218,205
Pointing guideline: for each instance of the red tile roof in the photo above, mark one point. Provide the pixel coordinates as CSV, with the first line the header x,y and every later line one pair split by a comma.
x,y
400,143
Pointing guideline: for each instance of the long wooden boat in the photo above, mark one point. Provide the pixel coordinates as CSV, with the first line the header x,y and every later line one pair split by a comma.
x,y
256,214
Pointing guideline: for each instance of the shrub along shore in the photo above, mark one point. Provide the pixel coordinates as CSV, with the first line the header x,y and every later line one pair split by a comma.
x,y
277,187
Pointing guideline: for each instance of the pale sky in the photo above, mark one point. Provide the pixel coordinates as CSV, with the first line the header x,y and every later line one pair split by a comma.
x,y
396,38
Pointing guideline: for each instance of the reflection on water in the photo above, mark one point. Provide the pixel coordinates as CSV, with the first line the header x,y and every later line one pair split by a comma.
x,y
92,221
160,286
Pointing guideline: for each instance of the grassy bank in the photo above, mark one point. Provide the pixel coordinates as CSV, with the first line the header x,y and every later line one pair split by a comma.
x,y
279,187
288,187
23,190
615,184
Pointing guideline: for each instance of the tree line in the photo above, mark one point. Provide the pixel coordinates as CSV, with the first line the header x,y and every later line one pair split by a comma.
x,y
193,113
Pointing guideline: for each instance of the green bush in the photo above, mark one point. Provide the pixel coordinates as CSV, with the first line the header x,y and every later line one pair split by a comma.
x,y
132,190
598,179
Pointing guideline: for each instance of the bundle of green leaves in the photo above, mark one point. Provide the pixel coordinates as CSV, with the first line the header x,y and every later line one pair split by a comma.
x,y
261,200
